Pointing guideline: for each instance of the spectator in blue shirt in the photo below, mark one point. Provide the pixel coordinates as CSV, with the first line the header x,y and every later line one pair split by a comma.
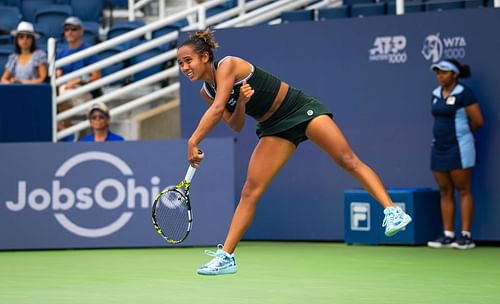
x,y
27,64
73,33
99,123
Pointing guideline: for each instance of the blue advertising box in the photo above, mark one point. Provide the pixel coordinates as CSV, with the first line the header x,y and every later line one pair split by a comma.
x,y
364,216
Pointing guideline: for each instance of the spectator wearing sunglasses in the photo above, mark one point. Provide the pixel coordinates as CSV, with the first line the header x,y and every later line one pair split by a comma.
x,y
73,33
27,64
99,123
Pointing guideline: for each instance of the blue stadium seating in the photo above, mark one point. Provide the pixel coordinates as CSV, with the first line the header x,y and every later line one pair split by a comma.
x,y
42,30
115,67
367,9
143,57
90,32
292,16
88,10
334,12
16,3
29,7
163,31
54,16
9,18
410,7
6,39
473,3
120,28
441,5
352,2
119,3
5,51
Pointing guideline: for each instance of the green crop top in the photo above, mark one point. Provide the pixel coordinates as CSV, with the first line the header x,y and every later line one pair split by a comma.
x,y
266,88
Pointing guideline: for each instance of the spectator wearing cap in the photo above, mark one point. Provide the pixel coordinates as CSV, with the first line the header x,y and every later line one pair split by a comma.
x,y
73,32
456,115
99,123
27,64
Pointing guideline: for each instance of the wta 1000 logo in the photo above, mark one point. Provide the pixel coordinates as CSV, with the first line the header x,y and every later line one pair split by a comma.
x,y
436,47
61,199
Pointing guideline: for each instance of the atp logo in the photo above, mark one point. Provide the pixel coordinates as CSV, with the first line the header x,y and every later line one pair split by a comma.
x,y
435,47
62,199
360,216
389,48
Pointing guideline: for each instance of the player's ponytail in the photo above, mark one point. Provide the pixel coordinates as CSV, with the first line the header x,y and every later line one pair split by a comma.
x,y
464,69
202,41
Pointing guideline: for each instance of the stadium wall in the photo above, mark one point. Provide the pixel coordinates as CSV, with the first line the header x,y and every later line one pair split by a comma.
x,y
373,74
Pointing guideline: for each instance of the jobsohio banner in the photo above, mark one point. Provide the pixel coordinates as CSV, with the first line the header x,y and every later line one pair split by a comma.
x,y
74,195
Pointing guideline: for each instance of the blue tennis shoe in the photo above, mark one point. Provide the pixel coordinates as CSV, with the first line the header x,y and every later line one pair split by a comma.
x,y
222,263
395,220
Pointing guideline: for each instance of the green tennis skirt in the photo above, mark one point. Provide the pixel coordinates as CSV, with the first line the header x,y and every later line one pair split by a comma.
x,y
292,117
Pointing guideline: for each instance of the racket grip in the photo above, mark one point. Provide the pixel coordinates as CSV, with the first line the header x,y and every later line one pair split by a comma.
x,y
190,174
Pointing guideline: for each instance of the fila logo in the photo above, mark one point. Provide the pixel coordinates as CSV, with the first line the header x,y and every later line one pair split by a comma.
x,y
360,216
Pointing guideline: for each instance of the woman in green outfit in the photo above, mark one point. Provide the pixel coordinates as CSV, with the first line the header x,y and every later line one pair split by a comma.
x,y
286,116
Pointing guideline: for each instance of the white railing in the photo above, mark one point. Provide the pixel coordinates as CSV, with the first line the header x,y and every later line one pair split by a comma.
x,y
246,13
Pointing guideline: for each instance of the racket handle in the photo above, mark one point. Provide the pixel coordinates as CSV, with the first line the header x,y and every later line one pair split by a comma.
x,y
190,174
192,170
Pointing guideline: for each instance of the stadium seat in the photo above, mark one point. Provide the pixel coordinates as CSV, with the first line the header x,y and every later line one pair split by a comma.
x,y
123,27
439,5
115,67
473,3
5,51
410,7
143,57
119,3
5,39
90,32
54,16
352,2
163,31
368,9
88,10
293,16
29,7
42,30
16,3
334,12
9,18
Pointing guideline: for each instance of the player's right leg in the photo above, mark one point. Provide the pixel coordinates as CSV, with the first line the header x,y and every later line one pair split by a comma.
x,y
268,157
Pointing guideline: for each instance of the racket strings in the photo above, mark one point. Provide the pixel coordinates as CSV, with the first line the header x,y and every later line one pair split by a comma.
x,y
172,215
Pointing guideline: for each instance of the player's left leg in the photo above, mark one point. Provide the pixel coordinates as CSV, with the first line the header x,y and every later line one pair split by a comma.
x,y
323,132
268,157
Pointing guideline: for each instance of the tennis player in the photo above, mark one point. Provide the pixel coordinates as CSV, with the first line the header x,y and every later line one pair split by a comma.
x,y
286,117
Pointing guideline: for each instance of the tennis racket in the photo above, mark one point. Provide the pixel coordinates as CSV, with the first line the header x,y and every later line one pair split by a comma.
x,y
172,216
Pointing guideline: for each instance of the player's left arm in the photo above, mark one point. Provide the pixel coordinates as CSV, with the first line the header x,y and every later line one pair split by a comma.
x,y
237,119
475,117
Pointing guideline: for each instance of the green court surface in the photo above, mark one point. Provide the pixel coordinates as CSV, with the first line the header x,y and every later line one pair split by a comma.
x,y
269,272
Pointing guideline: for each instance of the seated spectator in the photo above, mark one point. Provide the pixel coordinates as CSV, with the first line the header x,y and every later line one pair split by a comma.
x,y
73,32
99,123
27,64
